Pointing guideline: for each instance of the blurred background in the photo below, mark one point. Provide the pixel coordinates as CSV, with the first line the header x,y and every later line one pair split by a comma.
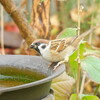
x,y
63,14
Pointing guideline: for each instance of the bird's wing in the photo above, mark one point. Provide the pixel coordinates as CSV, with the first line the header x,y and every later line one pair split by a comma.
x,y
59,45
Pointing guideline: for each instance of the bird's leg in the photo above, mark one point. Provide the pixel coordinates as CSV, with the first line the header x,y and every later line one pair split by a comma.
x,y
58,64
61,62
52,64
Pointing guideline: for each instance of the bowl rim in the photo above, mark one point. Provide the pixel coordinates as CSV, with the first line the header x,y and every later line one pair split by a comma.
x,y
38,82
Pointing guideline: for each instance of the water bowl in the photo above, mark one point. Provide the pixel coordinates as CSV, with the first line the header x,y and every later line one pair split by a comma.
x,y
26,77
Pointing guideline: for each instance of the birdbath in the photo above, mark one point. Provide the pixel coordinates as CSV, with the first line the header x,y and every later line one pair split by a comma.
x,y
25,77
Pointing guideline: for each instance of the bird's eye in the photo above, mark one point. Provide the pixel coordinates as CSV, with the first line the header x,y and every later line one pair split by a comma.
x,y
43,46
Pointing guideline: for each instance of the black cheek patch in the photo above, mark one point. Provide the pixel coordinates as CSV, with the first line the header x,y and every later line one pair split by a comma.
x,y
43,47
37,49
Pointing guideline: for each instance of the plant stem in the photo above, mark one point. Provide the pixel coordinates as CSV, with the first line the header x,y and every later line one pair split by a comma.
x,y
2,32
92,19
83,81
78,3
87,82
78,82
78,58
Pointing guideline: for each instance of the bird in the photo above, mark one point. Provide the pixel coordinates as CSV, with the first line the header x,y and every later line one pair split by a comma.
x,y
58,50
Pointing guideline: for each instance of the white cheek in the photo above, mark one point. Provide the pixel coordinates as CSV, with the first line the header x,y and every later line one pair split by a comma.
x,y
45,51
41,49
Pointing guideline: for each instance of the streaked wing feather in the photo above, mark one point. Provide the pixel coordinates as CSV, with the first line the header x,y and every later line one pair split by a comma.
x,y
59,45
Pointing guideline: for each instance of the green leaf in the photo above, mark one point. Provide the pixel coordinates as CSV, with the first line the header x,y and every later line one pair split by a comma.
x,y
90,98
73,60
91,65
84,97
73,97
68,32
73,65
84,48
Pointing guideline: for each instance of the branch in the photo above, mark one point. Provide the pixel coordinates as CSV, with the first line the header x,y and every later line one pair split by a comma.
x,y
41,18
26,30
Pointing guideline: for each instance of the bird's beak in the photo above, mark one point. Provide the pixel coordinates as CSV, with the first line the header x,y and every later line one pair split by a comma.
x,y
33,46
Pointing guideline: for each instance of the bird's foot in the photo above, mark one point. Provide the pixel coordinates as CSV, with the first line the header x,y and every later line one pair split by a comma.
x,y
61,62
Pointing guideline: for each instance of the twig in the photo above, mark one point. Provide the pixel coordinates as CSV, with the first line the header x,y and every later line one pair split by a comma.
x,y
83,81
2,32
88,81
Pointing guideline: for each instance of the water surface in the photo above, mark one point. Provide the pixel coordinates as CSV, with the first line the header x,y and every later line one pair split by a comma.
x,y
11,76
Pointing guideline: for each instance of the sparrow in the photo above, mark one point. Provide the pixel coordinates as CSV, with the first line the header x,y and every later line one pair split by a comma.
x,y
58,50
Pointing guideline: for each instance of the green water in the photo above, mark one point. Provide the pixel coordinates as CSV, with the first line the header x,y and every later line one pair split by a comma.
x,y
13,76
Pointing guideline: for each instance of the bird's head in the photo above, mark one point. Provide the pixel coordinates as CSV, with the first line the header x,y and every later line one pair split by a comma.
x,y
39,45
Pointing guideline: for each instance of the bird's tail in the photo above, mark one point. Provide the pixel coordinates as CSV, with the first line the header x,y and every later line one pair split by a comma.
x,y
79,38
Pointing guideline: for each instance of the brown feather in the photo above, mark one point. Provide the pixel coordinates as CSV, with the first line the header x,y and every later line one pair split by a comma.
x,y
42,41
59,45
